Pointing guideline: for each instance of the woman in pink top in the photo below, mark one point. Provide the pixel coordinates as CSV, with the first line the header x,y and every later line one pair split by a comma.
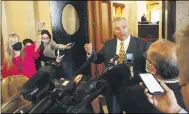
x,y
17,60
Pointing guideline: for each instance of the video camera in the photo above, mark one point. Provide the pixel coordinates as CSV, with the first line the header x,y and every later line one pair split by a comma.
x,y
64,96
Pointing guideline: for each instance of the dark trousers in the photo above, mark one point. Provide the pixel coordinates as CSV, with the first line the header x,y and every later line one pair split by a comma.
x,y
112,104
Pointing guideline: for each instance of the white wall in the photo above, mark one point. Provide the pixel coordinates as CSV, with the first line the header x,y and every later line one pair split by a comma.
x,y
182,14
141,9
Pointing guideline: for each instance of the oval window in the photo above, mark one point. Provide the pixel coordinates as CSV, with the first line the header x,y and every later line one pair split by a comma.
x,y
70,19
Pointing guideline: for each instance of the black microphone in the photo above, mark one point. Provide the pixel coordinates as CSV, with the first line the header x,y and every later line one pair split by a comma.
x,y
111,63
110,83
115,78
112,79
129,59
91,59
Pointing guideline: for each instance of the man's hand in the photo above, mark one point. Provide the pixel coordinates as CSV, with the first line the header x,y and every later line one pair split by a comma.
x,y
88,48
166,103
78,78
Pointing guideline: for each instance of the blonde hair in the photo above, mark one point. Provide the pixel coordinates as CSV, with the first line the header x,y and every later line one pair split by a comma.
x,y
9,53
10,86
182,40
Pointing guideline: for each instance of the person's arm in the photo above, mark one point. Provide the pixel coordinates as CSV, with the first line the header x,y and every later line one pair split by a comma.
x,y
57,46
31,50
100,56
89,53
4,69
37,45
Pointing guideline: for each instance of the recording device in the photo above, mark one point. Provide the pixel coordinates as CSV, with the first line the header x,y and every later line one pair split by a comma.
x,y
76,100
109,83
111,63
152,84
38,86
129,59
70,45
67,87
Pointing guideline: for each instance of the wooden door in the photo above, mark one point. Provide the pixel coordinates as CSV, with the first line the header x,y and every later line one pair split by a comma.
x,y
100,27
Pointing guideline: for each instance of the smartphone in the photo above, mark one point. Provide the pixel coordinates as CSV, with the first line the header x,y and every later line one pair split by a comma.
x,y
152,84
71,44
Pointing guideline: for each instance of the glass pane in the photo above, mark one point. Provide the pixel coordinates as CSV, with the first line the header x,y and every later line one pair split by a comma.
x,y
70,19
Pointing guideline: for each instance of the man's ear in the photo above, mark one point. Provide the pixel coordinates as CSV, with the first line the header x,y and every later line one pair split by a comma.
x,y
154,70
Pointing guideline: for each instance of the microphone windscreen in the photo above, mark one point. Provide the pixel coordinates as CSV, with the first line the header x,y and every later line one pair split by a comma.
x,y
116,78
44,76
116,58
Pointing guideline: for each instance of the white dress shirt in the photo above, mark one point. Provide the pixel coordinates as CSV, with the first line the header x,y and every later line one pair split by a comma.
x,y
126,44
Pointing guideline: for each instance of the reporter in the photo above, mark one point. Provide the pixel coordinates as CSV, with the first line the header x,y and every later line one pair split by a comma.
x,y
48,47
161,61
167,103
18,60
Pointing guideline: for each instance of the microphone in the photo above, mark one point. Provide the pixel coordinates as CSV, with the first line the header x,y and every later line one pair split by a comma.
x,y
129,59
115,79
110,83
91,59
112,63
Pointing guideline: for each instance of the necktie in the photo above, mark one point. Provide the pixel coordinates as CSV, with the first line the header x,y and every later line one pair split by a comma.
x,y
121,53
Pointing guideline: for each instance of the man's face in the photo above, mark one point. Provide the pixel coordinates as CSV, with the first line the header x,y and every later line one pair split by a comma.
x,y
121,29
149,64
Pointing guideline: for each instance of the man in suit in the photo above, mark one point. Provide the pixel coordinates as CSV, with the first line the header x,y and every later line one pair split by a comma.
x,y
122,44
161,61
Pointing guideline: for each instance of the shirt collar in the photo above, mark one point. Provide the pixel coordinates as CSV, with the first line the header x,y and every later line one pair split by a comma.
x,y
170,81
125,41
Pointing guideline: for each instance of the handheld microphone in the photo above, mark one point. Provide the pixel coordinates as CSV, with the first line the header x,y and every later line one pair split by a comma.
x,y
129,59
112,63
110,83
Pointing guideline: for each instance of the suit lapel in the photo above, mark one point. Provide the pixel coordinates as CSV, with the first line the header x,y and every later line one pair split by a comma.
x,y
132,45
114,47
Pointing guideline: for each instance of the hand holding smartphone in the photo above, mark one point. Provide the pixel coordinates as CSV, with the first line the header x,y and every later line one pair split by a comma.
x,y
70,45
152,84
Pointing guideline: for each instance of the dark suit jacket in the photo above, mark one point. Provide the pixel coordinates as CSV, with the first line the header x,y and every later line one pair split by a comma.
x,y
134,100
136,46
